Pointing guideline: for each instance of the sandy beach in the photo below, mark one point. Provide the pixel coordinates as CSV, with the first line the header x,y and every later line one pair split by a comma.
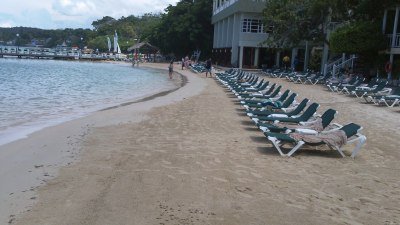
x,y
192,157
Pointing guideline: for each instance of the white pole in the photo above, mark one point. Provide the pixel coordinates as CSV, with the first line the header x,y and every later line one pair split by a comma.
x,y
306,57
384,21
394,34
241,57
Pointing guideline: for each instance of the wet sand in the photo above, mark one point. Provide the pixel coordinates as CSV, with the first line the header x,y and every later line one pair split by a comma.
x,y
197,160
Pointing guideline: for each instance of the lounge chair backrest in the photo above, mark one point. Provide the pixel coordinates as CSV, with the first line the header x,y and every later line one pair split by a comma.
x,y
260,83
380,86
299,108
396,91
253,79
316,76
271,89
241,76
289,100
284,96
357,82
351,129
276,92
327,117
265,85
309,112
353,80
249,78
373,82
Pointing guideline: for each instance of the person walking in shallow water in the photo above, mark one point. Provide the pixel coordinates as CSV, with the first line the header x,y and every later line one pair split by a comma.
x,y
171,69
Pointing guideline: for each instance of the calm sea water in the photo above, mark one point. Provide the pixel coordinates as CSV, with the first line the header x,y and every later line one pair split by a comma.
x,y
38,93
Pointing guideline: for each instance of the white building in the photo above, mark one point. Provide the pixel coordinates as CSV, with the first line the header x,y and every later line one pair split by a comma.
x,y
392,30
239,33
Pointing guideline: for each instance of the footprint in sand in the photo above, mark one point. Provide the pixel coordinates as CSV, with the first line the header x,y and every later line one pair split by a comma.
x,y
244,191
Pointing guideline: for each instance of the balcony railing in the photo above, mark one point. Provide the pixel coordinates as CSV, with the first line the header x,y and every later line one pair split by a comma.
x,y
396,41
224,5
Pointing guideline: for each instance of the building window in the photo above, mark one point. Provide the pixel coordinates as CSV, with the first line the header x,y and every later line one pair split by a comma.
x,y
252,26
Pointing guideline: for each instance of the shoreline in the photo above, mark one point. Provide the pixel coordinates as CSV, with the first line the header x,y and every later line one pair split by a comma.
x,y
148,98
22,131
29,163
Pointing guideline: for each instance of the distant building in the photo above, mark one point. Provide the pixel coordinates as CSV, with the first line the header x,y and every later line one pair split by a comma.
x,y
391,28
239,33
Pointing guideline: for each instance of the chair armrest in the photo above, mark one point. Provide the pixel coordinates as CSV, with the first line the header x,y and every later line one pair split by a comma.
x,y
338,126
306,131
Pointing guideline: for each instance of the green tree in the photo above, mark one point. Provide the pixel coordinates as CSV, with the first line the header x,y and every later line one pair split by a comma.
x,y
99,42
184,28
105,21
363,34
361,37
294,21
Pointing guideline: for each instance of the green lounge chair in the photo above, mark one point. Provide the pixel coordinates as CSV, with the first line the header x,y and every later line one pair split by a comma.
x,y
326,119
379,89
351,131
258,103
297,110
302,118
260,95
349,88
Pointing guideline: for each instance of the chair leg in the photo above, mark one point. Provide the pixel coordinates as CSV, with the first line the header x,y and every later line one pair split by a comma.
x,y
295,148
394,103
360,143
362,95
264,129
369,99
275,142
340,151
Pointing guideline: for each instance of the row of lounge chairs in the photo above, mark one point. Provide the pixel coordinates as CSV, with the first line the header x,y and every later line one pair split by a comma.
x,y
376,91
283,120
198,68
299,77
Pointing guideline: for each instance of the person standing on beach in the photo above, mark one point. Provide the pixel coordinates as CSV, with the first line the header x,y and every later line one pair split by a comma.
x,y
171,69
286,61
208,67
187,62
183,63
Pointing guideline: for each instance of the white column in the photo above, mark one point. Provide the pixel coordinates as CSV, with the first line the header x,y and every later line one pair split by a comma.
x,y
384,21
241,57
228,42
396,22
306,57
278,59
256,56
294,55
343,58
235,36
325,54
215,40
220,34
223,32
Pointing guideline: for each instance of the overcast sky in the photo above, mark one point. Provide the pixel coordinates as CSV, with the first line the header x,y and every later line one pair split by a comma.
x,y
53,14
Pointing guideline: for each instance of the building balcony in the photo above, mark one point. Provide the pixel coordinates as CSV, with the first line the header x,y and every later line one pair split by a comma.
x,y
223,5
232,6
396,43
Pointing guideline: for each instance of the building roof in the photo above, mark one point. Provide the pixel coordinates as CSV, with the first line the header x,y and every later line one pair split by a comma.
x,y
144,47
